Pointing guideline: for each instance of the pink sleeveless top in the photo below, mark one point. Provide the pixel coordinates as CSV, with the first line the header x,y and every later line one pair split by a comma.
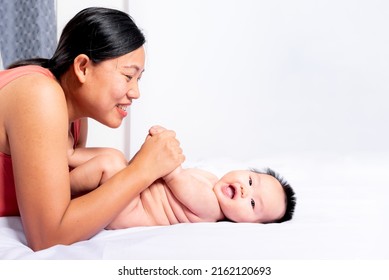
x,y
8,202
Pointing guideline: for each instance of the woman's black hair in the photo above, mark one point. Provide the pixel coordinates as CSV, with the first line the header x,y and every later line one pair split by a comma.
x,y
99,33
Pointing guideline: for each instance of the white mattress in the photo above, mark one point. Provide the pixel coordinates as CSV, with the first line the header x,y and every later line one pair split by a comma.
x,y
341,213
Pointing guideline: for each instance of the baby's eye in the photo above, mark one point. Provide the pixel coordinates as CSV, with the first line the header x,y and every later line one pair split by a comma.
x,y
252,203
250,181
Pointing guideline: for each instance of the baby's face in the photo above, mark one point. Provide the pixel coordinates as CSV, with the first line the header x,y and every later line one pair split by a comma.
x,y
246,196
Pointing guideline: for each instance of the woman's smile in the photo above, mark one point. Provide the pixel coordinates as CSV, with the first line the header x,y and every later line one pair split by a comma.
x,y
122,109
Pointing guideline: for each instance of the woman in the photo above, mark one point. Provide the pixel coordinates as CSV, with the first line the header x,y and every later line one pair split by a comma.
x,y
93,73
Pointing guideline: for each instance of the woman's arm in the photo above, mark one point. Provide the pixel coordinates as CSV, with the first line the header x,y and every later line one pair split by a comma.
x,y
37,129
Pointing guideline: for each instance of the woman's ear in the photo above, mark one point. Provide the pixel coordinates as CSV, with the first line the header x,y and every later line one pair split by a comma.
x,y
80,66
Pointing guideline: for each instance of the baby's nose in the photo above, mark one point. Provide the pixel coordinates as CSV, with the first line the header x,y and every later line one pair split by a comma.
x,y
243,191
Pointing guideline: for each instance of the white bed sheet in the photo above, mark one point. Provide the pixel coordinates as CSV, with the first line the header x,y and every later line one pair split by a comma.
x,y
342,213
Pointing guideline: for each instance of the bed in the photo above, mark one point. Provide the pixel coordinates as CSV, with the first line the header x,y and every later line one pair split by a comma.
x,y
341,214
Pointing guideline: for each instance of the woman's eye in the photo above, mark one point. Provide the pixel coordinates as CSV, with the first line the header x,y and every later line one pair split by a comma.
x,y
252,203
250,181
128,77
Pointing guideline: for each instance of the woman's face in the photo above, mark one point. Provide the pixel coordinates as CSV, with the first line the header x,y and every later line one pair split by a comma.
x,y
111,86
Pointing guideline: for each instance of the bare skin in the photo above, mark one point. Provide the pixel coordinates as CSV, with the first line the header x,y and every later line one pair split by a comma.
x,y
164,203
91,167
191,195
35,114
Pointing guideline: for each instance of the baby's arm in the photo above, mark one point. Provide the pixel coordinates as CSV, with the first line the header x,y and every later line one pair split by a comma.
x,y
194,189
92,167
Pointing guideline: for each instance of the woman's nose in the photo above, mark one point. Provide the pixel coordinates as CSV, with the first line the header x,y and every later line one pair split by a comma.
x,y
133,93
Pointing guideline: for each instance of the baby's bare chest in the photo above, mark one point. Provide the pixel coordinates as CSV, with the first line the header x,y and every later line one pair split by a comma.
x,y
162,206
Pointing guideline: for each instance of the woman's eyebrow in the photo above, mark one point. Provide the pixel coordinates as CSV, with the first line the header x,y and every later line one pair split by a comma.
x,y
136,67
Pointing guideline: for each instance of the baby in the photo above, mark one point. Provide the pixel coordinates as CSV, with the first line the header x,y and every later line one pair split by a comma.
x,y
193,195
185,195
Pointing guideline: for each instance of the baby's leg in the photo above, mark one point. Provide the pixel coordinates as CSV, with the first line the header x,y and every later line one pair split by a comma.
x,y
95,172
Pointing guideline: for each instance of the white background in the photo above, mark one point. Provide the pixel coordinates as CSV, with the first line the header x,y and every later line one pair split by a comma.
x,y
248,78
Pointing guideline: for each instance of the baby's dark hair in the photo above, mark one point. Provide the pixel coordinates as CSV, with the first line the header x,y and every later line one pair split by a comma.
x,y
290,198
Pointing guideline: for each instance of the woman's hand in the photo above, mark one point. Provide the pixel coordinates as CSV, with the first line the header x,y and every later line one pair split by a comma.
x,y
156,129
160,154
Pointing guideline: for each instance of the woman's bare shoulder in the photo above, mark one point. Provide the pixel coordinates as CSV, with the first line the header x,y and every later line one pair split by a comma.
x,y
36,82
34,91
35,97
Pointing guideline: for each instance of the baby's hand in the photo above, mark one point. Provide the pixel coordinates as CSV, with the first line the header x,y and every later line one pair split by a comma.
x,y
160,154
154,130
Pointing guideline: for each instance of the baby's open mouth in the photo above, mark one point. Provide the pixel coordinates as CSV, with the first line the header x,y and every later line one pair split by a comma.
x,y
229,191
